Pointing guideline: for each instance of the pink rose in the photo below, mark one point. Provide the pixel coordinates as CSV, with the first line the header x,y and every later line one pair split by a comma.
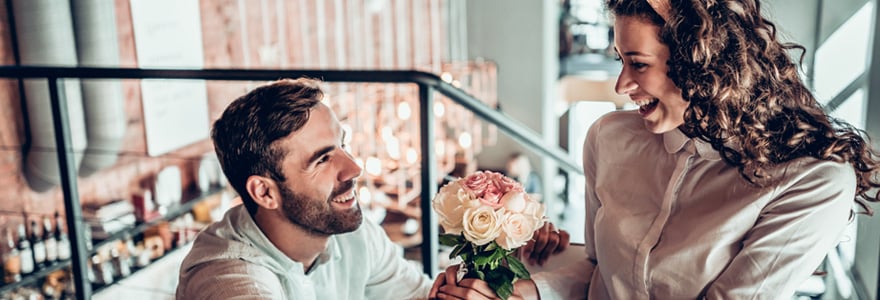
x,y
476,183
507,184
490,187
492,195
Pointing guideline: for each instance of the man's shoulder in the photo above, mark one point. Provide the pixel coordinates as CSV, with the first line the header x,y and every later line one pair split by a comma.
x,y
227,277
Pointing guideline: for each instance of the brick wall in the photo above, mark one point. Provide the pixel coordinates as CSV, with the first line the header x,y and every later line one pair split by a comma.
x,y
398,34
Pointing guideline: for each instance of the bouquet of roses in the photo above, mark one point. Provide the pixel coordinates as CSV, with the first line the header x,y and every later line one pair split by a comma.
x,y
486,217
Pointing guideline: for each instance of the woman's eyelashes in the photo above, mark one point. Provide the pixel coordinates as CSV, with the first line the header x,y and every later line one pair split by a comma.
x,y
635,64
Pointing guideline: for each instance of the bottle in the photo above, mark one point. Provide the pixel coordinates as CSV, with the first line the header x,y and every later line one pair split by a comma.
x,y
63,243
11,261
38,245
49,240
25,251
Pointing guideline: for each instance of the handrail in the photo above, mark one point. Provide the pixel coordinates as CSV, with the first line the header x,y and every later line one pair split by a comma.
x,y
515,129
426,82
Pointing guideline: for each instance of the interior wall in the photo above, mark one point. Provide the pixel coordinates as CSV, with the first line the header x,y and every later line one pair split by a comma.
x,y
520,36
262,34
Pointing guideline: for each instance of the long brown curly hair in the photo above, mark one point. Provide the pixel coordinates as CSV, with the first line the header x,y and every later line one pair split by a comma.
x,y
745,95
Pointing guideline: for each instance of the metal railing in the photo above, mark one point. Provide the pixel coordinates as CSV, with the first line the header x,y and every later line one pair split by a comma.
x,y
427,83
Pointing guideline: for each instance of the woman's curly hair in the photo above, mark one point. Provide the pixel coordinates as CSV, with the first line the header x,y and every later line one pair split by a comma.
x,y
745,95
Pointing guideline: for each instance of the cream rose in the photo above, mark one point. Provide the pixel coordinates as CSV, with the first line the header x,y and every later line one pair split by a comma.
x,y
481,225
535,210
516,230
514,201
450,204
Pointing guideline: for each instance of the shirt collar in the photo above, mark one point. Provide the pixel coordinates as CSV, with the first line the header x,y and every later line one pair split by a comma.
x,y
675,141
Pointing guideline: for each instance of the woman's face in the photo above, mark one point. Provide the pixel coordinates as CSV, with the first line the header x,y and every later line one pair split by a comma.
x,y
643,77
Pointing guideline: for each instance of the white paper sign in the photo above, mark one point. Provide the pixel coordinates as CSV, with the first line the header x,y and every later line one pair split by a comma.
x,y
168,34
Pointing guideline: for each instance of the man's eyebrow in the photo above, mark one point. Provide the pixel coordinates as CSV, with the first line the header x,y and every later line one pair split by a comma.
x,y
317,154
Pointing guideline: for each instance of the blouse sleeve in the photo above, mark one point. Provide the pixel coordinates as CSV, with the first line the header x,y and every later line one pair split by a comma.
x,y
791,236
572,281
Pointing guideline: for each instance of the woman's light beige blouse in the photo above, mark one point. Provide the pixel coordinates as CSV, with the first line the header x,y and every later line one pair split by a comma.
x,y
667,218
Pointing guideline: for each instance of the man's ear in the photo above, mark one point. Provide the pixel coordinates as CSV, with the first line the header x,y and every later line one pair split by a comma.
x,y
264,191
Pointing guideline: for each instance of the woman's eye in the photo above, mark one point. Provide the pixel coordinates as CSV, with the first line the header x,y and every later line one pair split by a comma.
x,y
638,65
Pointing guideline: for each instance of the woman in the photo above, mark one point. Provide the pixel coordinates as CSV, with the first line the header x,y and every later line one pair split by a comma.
x,y
729,182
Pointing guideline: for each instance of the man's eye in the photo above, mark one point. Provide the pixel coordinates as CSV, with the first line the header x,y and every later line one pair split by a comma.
x,y
323,159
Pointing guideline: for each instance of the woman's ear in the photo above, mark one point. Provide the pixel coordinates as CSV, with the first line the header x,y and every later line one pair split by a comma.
x,y
264,191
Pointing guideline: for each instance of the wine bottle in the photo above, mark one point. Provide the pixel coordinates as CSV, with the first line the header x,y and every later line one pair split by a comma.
x,y
38,245
49,240
25,251
11,261
61,238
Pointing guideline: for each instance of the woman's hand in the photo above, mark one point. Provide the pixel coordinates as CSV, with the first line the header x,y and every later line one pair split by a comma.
x,y
445,287
548,240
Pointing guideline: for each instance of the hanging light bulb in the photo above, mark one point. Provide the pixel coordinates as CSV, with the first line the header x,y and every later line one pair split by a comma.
x,y
392,145
439,109
387,134
464,140
403,111
374,166
446,76
365,195
411,155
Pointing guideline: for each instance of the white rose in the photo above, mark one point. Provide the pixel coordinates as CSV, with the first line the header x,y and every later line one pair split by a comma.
x,y
535,210
514,201
516,230
481,225
450,207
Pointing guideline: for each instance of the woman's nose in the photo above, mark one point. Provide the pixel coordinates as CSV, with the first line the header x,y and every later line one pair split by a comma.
x,y
625,85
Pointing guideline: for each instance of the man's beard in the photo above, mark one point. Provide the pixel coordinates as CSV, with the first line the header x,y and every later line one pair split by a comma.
x,y
317,216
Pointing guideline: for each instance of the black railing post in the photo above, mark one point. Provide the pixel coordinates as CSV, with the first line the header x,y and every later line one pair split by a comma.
x,y
72,208
430,231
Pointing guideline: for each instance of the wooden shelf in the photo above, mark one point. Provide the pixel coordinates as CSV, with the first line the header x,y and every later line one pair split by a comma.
x,y
34,277
194,195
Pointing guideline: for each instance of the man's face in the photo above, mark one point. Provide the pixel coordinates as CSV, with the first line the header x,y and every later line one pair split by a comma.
x,y
319,194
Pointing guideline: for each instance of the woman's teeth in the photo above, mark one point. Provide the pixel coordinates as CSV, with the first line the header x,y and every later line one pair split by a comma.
x,y
642,103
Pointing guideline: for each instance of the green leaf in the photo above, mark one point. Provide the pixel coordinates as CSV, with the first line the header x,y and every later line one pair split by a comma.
x,y
482,260
517,267
504,290
501,281
456,251
491,246
451,239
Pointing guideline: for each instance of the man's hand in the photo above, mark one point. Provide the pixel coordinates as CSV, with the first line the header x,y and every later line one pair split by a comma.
x,y
547,241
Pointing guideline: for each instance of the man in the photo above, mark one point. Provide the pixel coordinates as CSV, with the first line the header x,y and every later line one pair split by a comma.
x,y
299,234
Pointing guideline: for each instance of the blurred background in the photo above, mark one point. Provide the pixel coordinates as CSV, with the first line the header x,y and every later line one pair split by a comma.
x,y
147,179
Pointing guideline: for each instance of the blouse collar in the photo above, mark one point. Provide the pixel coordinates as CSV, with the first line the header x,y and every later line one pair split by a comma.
x,y
675,141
